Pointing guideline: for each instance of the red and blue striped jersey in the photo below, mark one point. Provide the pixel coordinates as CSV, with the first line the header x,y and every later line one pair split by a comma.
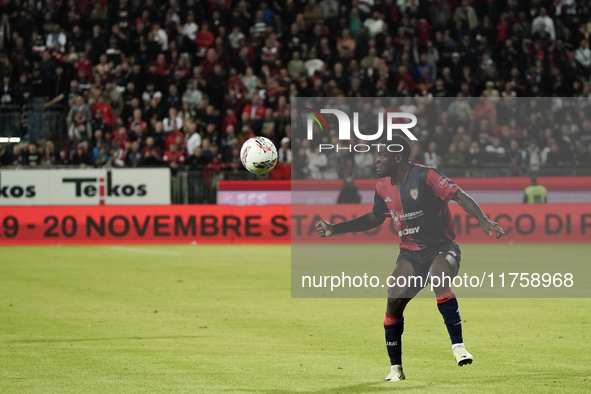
x,y
418,207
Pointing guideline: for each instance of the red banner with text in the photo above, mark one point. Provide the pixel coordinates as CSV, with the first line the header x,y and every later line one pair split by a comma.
x,y
280,224
558,223
158,224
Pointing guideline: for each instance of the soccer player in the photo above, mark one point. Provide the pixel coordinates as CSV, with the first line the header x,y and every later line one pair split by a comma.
x,y
416,197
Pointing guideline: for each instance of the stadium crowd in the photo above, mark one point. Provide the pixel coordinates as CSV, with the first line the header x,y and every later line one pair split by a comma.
x,y
184,83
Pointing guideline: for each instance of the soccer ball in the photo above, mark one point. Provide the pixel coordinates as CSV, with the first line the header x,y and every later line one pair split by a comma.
x,y
258,155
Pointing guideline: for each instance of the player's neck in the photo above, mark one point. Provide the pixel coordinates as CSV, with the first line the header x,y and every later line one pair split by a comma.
x,y
400,174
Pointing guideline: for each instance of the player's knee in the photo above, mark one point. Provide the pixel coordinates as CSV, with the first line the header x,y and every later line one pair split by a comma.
x,y
391,320
402,293
396,306
443,265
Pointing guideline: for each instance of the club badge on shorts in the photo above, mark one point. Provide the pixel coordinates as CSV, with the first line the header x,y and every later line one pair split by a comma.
x,y
414,193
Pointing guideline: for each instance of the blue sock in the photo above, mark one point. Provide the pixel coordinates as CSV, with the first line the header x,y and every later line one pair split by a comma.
x,y
394,326
451,316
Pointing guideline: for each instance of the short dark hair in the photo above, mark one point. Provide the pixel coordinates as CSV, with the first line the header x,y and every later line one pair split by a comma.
x,y
400,140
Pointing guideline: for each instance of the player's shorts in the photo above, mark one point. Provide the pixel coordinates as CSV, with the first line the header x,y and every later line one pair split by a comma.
x,y
422,259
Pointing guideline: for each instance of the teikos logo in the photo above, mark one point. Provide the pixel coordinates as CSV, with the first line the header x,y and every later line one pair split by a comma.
x,y
16,191
87,187
345,129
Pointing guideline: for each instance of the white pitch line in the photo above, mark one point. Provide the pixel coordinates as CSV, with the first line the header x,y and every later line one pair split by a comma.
x,y
146,251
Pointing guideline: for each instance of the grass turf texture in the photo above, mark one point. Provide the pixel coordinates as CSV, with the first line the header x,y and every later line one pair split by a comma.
x,y
213,319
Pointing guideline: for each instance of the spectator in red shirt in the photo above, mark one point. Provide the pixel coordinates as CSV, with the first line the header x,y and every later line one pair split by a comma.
x,y
106,110
121,137
162,66
171,137
234,80
255,110
216,163
204,39
229,120
484,110
181,144
404,76
209,63
422,30
173,158
84,66
502,28
137,124
270,50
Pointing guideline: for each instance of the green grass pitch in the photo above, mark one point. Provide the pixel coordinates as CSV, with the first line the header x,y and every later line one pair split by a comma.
x,y
219,319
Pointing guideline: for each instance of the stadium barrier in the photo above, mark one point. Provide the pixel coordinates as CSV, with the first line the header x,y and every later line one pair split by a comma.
x,y
200,186
273,224
101,186
34,121
498,190
235,187
210,187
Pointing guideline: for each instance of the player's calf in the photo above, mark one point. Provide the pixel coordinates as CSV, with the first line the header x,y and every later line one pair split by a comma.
x,y
447,304
393,328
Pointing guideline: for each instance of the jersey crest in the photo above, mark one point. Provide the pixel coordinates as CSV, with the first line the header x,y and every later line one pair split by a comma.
x,y
414,193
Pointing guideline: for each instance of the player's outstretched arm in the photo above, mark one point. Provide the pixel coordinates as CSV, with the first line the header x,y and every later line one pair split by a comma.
x,y
469,205
363,223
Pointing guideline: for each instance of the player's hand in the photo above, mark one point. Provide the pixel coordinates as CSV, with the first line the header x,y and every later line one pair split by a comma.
x,y
488,226
324,228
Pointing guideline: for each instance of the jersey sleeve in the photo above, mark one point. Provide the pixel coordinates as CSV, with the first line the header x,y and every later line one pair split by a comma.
x,y
379,206
442,187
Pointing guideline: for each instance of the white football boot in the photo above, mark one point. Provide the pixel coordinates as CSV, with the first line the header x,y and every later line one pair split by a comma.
x,y
462,356
395,374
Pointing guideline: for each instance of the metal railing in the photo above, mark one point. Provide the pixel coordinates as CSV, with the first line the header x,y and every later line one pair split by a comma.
x,y
33,122
504,171
200,187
